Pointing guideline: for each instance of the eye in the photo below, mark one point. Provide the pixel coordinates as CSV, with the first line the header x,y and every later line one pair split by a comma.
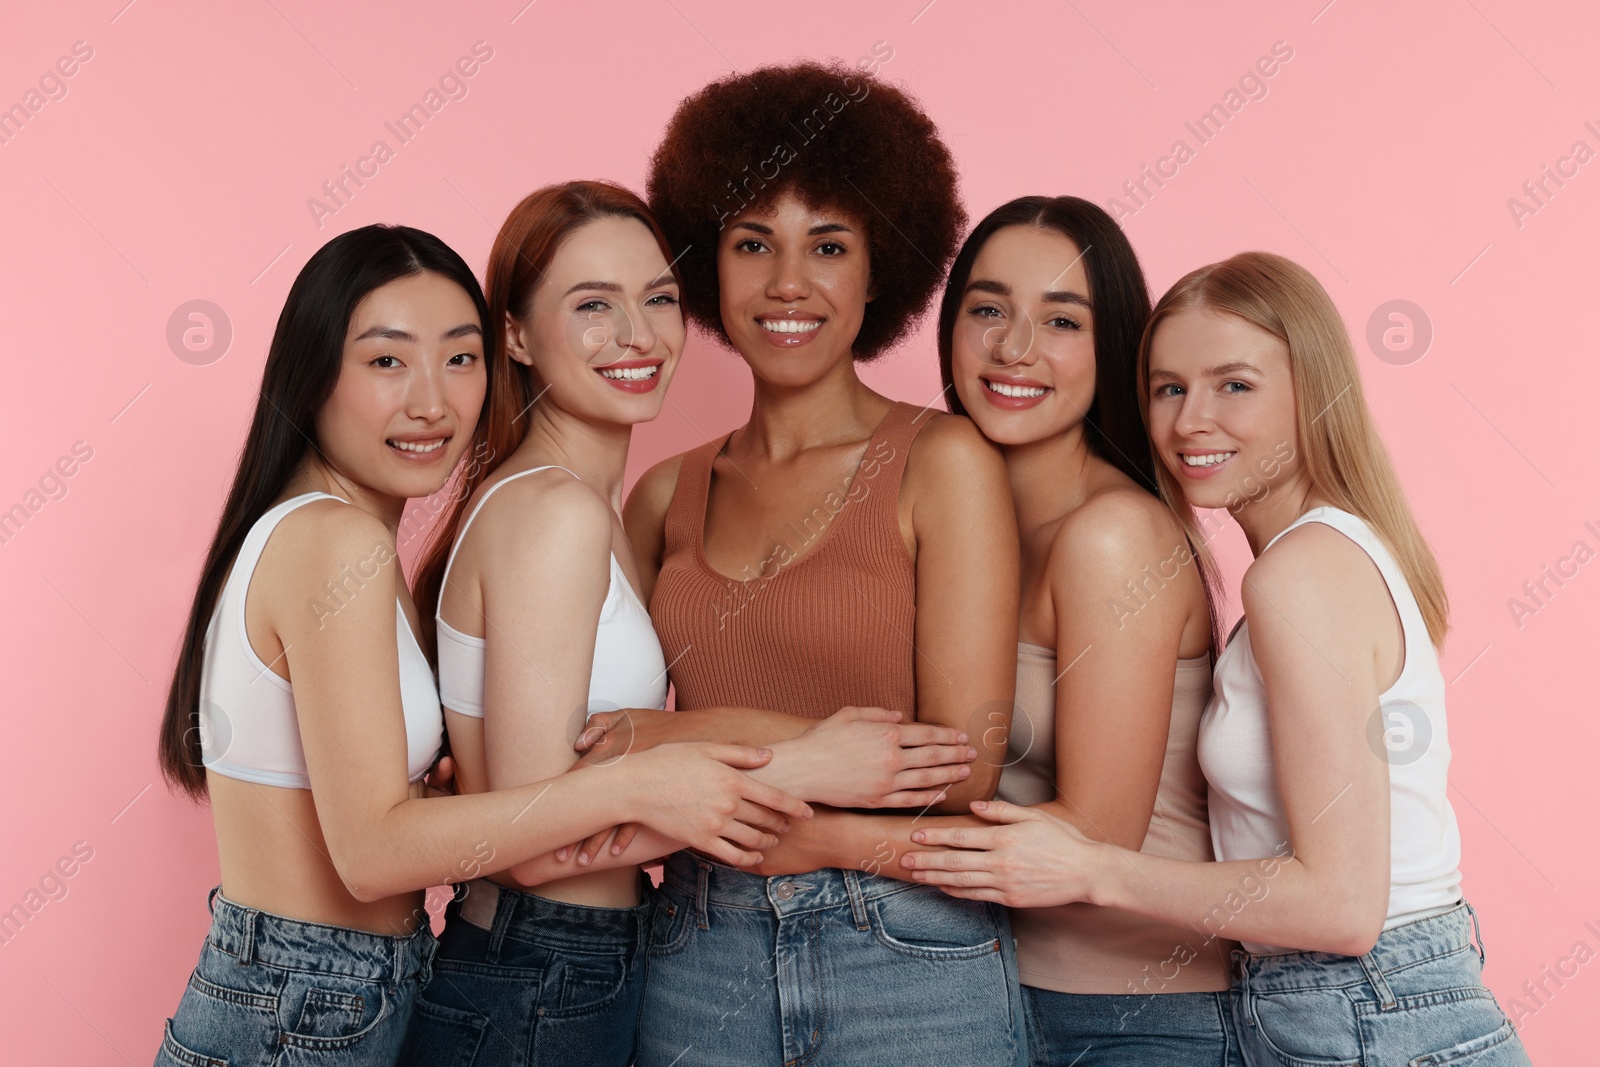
x,y
749,244
593,305
1234,388
984,311
462,359
1063,322
661,300
837,248
379,361
1167,390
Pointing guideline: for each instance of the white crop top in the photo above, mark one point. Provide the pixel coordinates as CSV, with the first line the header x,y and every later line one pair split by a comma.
x,y
1407,728
629,670
248,726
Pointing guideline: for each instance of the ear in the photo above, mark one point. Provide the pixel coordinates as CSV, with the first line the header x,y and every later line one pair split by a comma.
x,y
516,343
872,288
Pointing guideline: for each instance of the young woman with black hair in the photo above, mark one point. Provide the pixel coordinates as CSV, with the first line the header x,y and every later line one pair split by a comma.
x,y
304,709
1038,344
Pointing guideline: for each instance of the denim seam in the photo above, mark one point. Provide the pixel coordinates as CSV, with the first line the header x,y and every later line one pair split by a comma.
x,y
264,1001
328,1044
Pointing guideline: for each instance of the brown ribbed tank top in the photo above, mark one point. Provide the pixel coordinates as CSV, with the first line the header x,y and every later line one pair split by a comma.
x,y
827,618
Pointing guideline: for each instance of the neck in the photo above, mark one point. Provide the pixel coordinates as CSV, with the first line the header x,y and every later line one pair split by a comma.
x,y
785,421
597,452
1264,519
1048,477
317,474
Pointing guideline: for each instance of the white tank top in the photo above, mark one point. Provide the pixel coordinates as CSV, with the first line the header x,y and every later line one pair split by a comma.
x,y
1408,727
628,670
248,726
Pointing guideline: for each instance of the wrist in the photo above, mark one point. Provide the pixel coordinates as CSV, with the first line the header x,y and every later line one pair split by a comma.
x,y
1111,881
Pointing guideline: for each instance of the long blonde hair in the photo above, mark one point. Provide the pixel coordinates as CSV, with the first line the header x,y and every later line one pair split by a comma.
x,y
1337,442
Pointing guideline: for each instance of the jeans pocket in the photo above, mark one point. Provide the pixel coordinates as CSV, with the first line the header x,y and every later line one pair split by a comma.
x,y
174,1053
331,1012
442,1036
928,924
586,983
1307,1028
1500,1048
671,922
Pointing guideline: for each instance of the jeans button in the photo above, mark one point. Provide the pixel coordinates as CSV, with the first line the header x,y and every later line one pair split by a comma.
x,y
785,890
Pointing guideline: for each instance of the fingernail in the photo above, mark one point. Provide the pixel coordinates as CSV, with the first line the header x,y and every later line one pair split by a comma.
x,y
561,853
917,836
583,859
783,827
972,753
963,739
963,771
979,805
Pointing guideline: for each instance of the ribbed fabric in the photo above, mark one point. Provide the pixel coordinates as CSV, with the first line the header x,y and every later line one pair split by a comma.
x,y
828,617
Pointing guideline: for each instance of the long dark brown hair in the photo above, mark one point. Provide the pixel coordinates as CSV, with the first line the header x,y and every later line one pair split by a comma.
x,y
302,367
1114,425
522,252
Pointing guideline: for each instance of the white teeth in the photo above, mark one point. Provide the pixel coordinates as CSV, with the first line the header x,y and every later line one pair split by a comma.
x,y
1015,390
628,374
418,446
789,325
1209,460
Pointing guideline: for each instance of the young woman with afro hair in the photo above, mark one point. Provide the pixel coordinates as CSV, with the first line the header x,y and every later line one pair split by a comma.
x,y
839,548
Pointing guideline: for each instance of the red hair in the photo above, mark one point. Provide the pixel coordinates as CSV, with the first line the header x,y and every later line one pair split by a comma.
x,y
523,249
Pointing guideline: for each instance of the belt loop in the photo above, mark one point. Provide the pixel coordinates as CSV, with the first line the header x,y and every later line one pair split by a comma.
x,y
503,907
247,944
1386,997
211,899
701,892
1477,932
858,904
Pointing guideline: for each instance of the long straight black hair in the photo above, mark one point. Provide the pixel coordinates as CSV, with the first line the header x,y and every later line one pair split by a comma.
x,y
1121,303
302,367
1113,426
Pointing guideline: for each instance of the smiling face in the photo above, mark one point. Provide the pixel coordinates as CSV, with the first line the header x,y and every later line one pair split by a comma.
x,y
410,387
605,331
1022,348
1222,408
794,284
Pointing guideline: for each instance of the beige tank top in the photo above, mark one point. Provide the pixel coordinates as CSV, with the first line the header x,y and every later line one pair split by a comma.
x,y
1081,948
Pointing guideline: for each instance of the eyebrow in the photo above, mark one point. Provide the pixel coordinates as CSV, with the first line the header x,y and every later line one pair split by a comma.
x,y
819,228
1051,296
1221,370
394,333
604,287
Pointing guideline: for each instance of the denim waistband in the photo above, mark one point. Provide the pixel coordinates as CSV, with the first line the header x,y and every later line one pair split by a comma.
x,y
529,917
1398,947
295,944
787,894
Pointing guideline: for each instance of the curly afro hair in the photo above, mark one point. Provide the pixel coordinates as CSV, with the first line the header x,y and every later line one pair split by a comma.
x,y
835,138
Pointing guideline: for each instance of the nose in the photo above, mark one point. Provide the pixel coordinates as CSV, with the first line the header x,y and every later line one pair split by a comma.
x,y
1011,343
1194,415
789,281
634,333
425,393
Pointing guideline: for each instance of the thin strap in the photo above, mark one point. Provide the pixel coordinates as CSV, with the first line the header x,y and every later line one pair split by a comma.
x,y
484,499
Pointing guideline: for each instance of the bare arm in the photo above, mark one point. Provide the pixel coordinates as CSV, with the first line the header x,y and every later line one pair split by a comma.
x,y
1319,617
1113,705
967,592
347,699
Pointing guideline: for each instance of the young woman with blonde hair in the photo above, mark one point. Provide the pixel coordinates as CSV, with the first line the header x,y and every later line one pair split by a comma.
x,y
1325,743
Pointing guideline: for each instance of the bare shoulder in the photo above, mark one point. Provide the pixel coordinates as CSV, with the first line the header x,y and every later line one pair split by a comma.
x,y
326,533
652,494
951,454
1313,573
1120,524
548,507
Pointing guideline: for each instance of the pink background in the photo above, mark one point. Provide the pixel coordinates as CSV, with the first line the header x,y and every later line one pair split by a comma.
x,y
178,167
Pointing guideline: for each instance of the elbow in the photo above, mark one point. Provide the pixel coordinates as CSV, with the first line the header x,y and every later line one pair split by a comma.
x,y
982,785
366,878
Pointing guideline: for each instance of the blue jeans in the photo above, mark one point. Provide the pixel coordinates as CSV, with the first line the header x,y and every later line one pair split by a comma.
x,y
825,969
521,980
1417,998
269,990
1122,1030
